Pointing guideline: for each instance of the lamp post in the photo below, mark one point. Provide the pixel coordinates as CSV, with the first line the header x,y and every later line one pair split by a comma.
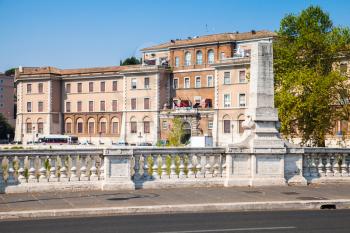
x,y
140,138
232,126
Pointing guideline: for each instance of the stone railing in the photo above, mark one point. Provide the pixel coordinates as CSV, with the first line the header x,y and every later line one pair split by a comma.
x,y
50,170
322,165
165,167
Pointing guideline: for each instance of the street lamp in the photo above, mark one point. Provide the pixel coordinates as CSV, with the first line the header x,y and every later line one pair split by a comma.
x,y
140,138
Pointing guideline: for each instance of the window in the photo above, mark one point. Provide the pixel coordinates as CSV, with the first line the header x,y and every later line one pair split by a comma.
x,y
80,87
79,106
29,88
29,127
114,105
115,127
115,85
68,127
176,83
146,83
242,76
68,88
146,103
133,83
198,82
227,100
91,106
29,106
1,105
197,99
241,100
222,56
67,106
227,77
343,68
133,127
210,56
199,58
40,106
146,127
210,124
80,127
91,127
40,127
177,62
102,86
40,88
102,106
91,87
227,126
164,124
103,128
133,104
187,83
209,81
187,59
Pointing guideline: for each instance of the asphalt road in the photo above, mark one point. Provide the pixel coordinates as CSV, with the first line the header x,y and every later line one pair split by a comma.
x,y
322,221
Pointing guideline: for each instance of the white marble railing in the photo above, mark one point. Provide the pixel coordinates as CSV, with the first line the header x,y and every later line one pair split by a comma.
x,y
326,165
156,167
49,169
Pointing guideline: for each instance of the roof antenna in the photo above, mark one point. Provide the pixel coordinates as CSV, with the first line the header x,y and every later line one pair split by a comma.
x,y
206,28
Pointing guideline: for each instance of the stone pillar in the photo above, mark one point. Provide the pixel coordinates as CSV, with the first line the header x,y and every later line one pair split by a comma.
x,y
117,167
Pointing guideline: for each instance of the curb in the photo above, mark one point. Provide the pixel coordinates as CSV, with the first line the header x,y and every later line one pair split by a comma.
x,y
183,208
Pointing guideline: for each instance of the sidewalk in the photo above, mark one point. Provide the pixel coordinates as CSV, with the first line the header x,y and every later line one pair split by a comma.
x,y
64,204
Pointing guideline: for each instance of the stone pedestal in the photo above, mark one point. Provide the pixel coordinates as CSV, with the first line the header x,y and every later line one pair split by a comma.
x,y
117,167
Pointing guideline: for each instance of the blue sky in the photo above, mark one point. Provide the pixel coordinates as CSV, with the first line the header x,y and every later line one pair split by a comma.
x,y
90,33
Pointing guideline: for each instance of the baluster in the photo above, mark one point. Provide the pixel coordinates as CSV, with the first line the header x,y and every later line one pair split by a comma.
x,y
155,167
313,167
182,166
1,173
207,167
145,168
164,167
336,166
42,169
73,169
223,173
329,171
83,169
11,171
102,168
136,168
216,166
199,167
32,176
173,167
320,167
190,166
63,169
93,169
306,172
344,168
21,177
52,162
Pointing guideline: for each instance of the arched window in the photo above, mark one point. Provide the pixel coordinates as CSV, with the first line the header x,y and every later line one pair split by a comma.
x,y
133,125
68,125
40,123
226,121
199,57
80,125
29,125
240,122
115,125
146,125
210,56
91,125
102,125
187,59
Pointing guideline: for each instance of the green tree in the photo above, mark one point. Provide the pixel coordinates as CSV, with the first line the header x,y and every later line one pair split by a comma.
x,y
307,87
176,133
5,128
10,72
130,61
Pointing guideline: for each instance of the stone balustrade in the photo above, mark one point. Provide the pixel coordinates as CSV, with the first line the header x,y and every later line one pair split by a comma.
x,y
125,168
322,165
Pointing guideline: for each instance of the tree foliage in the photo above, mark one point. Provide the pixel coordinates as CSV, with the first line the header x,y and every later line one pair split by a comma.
x,y
130,61
307,87
5,128
10,72
176,133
